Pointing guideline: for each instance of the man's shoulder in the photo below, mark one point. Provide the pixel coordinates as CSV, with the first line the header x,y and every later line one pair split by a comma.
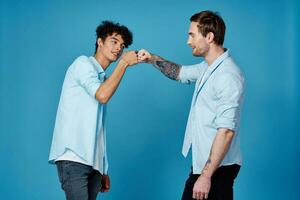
x,y
80,62
229,66
228,72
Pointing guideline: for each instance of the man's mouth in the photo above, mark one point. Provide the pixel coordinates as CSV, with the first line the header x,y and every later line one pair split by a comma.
x,y
116,53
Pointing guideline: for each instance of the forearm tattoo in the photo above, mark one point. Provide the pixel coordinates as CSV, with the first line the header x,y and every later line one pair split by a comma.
x,y
207,164
169,69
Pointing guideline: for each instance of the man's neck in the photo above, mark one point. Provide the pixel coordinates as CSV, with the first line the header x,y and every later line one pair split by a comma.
x,y
213,54
102,60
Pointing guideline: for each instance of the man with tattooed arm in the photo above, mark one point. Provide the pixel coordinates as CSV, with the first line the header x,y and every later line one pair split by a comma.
x,y
213,124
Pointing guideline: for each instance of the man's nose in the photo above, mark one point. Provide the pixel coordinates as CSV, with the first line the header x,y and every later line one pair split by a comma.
x,y
119,47
188,42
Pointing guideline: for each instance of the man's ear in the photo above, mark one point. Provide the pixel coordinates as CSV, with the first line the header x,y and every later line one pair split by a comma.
x,y
100,42
210,37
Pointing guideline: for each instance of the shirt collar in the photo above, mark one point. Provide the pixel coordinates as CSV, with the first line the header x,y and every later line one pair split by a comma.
x,y
97,65
219,60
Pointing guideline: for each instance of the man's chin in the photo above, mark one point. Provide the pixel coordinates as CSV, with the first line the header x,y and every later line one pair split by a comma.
x,y
114,59
196,54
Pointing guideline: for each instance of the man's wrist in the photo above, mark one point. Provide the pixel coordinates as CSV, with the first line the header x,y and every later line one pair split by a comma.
x,y
123,63
152,59
207,171
206,175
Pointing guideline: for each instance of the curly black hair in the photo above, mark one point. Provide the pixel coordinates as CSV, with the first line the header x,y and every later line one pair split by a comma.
x,y
108,28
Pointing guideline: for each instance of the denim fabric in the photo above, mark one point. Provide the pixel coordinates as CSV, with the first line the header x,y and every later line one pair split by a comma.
x,y
79,181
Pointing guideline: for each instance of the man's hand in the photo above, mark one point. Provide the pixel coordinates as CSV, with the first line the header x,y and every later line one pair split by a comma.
x,y
105,183
130,58
144,56
202,187
169,69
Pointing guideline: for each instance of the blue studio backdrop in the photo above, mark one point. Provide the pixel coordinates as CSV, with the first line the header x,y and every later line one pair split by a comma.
x,y
148,114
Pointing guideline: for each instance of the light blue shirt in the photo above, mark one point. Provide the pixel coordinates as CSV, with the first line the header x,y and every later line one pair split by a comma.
x,y
79,126
216,104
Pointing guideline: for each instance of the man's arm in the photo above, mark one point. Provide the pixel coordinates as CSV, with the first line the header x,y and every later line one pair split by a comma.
x,y
218,151
109,86
168,68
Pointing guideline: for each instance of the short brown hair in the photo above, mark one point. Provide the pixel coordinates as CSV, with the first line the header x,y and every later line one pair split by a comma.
x,y
209,21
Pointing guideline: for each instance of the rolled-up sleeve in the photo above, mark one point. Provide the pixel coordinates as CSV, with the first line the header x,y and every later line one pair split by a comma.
x,y
86,76
229,90
190,73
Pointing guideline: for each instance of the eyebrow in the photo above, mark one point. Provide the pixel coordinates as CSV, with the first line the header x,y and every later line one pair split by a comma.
x,y
112,37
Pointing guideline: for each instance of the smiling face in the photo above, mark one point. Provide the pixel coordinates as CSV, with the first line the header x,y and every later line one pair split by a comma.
x,y
198,43
112,47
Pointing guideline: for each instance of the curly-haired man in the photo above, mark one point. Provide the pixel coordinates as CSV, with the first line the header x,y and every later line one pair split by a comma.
x,y
79,139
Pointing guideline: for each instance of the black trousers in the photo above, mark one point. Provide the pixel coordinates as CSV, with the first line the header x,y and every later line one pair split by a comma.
x,y
221,183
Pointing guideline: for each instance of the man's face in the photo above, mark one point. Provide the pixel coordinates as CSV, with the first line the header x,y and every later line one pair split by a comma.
x,y
197,41
112,47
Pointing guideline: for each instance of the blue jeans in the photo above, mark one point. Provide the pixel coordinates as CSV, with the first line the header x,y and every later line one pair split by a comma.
x,y
79,181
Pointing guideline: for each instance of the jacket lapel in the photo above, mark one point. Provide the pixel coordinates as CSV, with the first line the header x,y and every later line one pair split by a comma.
x,y
210,70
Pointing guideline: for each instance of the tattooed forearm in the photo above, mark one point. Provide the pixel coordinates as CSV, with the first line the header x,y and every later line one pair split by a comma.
x,y
169,69
207,164
218,151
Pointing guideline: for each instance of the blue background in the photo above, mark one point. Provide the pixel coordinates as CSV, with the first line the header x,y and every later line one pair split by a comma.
x,y
147,115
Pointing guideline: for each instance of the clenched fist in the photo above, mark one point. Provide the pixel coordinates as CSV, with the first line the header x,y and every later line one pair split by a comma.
x,y
144,56
130,58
